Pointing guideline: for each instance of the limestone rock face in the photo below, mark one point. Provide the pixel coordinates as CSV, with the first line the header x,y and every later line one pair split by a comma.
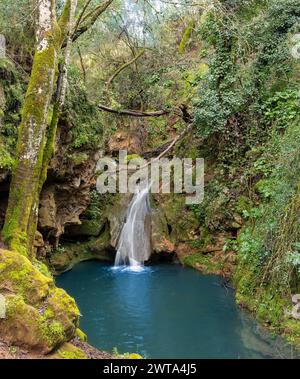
x,y
160,237
171,225
63,203
172,231
116,217
48,210
131,137
38,315
96,248
60,207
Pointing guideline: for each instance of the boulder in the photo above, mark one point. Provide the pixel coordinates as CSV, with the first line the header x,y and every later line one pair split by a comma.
x,y
38,315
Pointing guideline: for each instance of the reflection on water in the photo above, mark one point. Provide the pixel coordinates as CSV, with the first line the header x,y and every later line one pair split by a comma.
x,y
165,311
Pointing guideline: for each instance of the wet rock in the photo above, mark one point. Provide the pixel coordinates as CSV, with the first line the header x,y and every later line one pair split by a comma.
x,y
116,217
160,237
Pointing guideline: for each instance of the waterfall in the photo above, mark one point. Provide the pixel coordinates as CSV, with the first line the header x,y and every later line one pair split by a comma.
x,y
134,246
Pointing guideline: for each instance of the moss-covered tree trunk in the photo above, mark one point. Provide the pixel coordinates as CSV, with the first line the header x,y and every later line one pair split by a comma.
x,y
28,177
66,27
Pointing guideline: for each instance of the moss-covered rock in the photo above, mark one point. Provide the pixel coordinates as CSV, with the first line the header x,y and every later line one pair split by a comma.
x,y
88,228
218,263
61,308
66,257
21,326
17,274
38,315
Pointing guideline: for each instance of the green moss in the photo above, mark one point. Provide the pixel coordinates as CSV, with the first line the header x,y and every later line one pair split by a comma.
x,y
38,313
59,318
14,305
183,227
64,21
19,228
132,356
81,335
59,300
17,273
126,355
204,263
186,35
21,219
78,158
132,156
270,308
91,228
291,330
25,326
69,351
71,254
42,268
52,332
7,162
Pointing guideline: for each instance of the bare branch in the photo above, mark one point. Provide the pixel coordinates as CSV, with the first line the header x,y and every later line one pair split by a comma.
x,y
92,17
181,111
169,147
127,112
78,22
120,69
173,143
82,64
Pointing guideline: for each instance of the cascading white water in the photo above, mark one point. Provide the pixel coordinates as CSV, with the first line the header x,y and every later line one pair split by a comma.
x,y
134,246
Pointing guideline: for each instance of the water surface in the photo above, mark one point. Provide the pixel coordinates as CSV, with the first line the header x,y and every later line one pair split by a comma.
x,y
165,311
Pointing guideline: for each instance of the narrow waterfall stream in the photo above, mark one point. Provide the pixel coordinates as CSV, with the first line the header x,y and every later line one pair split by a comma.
x,y
134,246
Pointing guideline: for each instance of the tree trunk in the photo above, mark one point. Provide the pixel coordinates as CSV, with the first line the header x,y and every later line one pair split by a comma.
x,y
28,176
66,26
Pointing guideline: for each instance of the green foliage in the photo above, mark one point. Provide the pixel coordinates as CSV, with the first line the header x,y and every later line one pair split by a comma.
x,y
6,160
268,269
98,204
247,113
242,93
282,109
17,21
59,250
83,115
203,262
14,89
157,131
